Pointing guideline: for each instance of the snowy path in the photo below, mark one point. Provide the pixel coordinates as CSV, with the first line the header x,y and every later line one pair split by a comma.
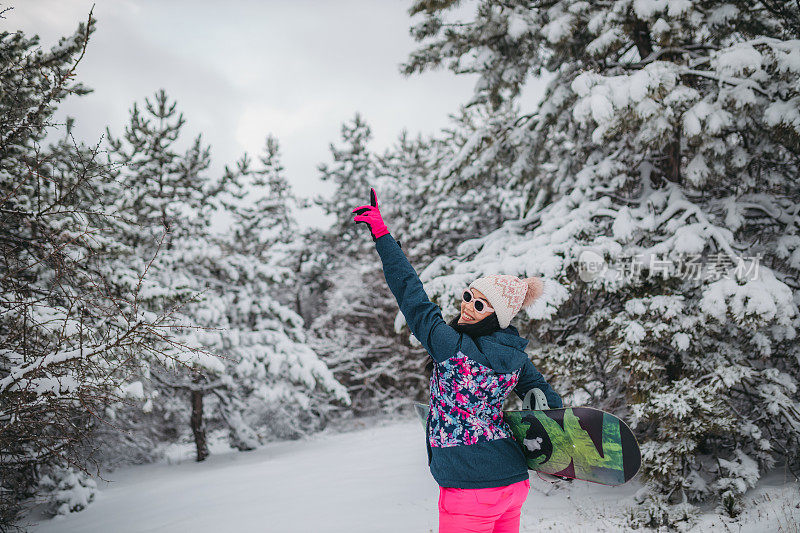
x,y
368,480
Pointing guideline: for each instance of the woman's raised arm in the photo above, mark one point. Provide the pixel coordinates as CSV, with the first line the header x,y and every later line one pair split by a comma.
x,y
423,317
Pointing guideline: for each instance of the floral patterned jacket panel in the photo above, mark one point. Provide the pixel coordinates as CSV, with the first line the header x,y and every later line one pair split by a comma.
x,y
467,402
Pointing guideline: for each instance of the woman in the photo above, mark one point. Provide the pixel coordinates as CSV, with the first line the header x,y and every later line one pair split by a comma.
x,y
478,360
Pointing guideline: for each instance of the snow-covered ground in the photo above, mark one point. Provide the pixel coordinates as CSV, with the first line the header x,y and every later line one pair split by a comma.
x,y
371,479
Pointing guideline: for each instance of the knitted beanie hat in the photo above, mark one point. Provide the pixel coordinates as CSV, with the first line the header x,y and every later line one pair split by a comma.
x,y
508,294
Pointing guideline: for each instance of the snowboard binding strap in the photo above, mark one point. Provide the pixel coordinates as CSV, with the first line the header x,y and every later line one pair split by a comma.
x,y
540,401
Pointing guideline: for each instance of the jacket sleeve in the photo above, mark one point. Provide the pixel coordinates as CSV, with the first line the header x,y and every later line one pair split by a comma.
x,y
529,378
423,317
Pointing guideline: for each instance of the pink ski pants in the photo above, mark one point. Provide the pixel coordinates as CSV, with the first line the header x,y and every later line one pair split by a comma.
x,y
491,510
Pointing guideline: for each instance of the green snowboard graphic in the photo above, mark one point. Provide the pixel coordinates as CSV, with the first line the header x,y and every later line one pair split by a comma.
x,y
575,442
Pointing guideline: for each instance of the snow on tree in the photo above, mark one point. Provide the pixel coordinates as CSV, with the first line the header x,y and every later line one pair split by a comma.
x,y
163,199
356,338
165,189
267,219
352,172
242,360
668,133
352,319
277,386
441,196
67,323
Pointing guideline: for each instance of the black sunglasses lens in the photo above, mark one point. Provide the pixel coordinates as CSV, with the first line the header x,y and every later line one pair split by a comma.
x,y
467,296
478,306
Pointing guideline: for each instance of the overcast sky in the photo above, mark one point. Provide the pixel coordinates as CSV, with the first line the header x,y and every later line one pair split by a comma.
x,y
243,69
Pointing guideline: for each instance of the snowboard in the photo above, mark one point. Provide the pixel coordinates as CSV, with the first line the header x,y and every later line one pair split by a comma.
x,y
573,442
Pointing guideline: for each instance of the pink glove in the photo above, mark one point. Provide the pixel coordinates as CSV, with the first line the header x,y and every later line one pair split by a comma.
x,y
371,216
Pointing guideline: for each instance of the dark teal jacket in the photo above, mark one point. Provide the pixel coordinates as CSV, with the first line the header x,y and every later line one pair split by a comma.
x,y
469,444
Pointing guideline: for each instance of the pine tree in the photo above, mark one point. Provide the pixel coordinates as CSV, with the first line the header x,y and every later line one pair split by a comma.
x,y
445,195
165,189
268,219
67,324
164,201
352,171
278,386
403,170
668,131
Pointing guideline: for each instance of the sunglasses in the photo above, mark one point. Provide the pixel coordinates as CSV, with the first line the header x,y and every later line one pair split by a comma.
x,y
480,305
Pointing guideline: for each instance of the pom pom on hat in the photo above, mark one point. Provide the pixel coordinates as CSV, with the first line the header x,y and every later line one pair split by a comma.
x,y
535,290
